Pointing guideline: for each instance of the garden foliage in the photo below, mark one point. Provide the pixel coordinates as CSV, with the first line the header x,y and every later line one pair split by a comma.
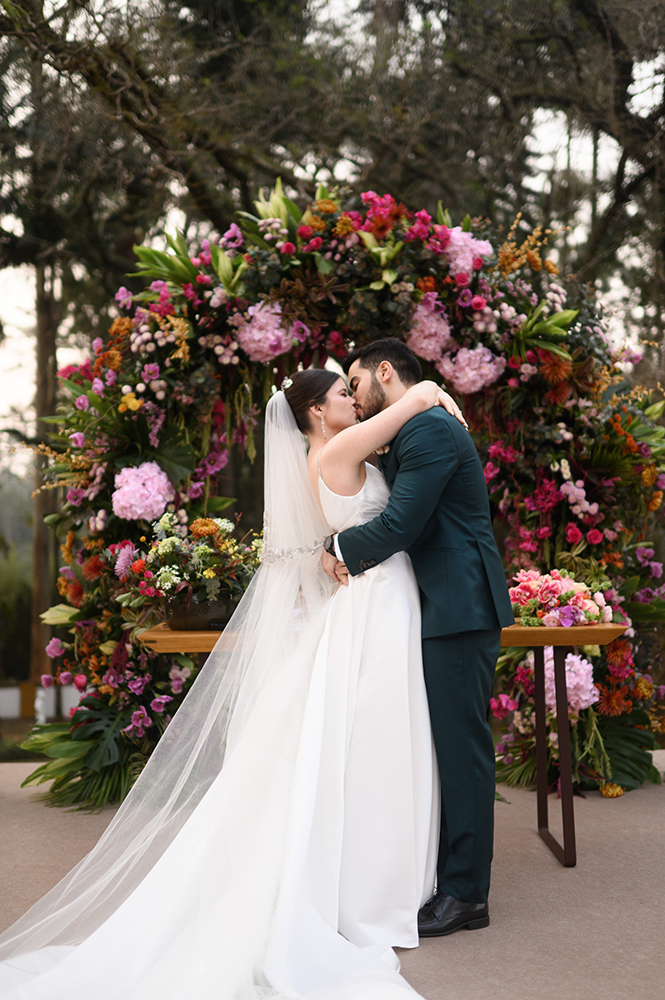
x,y
574,457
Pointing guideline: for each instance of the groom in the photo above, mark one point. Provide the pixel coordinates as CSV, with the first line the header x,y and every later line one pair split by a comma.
x,y
439,513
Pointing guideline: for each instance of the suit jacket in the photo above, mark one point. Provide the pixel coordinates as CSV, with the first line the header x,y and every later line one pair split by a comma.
x,y
439,513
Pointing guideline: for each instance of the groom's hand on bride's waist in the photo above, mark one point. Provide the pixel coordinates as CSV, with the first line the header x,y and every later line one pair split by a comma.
x,y
335,569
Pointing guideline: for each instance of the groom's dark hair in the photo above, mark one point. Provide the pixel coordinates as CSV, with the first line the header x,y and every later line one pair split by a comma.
x,y
389,349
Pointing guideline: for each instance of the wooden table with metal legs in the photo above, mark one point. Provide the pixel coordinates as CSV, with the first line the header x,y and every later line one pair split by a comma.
x,y
562,640
165,640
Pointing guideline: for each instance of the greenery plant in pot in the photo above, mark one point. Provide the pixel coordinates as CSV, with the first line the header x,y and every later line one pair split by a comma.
x,y
201,572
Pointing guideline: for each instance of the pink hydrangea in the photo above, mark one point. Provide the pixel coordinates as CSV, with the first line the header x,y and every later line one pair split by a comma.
x,y
462,249
264,336
472,369
429,335
141,492
582,692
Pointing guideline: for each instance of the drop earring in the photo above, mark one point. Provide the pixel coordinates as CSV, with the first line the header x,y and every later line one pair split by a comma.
x,y
323,427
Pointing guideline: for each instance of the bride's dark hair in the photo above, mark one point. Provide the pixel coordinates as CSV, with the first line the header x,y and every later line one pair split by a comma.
x,y
308,388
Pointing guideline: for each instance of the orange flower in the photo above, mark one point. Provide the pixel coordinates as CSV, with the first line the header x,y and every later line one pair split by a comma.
x,y
314,221
203,526
655,501
642,690
555,369
613,700
380,226
66,548
120,327
74,593
618,652
427,284
94,567
559,394
326,206
138,565
610,791
344,226
551,267
611,557
533,259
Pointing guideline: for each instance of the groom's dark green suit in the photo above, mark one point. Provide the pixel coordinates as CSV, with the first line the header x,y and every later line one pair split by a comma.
x,y
439,513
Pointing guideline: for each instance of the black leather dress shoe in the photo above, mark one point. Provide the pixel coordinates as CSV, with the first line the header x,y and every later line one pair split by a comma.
x,y
444,914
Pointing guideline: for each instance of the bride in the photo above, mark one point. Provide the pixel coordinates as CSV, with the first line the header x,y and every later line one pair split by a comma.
x,y
282,837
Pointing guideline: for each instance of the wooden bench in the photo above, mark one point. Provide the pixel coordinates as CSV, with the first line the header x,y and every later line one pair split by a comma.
x,y
165,640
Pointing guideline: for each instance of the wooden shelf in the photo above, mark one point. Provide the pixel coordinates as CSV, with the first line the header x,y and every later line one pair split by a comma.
x,y
575,635
165,640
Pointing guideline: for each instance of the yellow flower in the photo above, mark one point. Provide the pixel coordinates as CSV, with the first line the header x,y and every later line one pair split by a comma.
x,y
326,205
130,402
643,689
649,475
610,791
181,331
208,573
344,226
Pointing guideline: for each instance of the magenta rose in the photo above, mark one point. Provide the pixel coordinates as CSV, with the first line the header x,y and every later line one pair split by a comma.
x,y
573,534
594,537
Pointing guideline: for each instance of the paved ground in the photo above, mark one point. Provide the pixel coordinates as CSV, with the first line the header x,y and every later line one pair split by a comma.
x,y
594,932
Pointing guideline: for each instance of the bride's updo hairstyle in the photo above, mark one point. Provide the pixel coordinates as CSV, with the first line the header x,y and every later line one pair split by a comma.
x,y
308,388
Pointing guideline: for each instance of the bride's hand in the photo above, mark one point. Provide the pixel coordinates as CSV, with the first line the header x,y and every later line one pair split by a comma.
x,y
432,394
449,404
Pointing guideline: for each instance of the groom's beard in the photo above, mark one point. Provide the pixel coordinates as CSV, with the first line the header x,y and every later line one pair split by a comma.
x,y
375,400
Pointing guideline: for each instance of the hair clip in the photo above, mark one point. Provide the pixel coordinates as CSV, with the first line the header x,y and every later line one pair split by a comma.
x,y
286,383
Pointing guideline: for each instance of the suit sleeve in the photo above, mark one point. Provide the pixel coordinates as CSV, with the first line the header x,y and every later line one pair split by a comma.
x,y
427,457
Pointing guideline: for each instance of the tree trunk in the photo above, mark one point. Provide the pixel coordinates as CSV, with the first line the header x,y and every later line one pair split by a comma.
x,y
44,502
387,16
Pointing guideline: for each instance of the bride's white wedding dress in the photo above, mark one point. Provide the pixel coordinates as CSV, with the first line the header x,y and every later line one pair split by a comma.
x,y
305,859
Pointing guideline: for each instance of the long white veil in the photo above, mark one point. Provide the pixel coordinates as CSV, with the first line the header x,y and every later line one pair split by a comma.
x,y
250,679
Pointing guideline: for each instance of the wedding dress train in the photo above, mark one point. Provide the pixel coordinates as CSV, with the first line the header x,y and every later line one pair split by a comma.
x,y
295,869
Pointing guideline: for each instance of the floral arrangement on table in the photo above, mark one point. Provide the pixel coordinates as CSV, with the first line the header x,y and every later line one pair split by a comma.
x,y
573,455
202,564
128,692
557,600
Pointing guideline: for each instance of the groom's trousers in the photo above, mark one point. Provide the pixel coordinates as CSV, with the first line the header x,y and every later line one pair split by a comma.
x,y
459,673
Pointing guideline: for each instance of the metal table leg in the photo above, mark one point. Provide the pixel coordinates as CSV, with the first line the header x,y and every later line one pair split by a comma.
x,y
567,854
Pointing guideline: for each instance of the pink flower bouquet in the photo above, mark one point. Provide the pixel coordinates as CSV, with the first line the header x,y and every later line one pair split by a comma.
x,y
556,599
